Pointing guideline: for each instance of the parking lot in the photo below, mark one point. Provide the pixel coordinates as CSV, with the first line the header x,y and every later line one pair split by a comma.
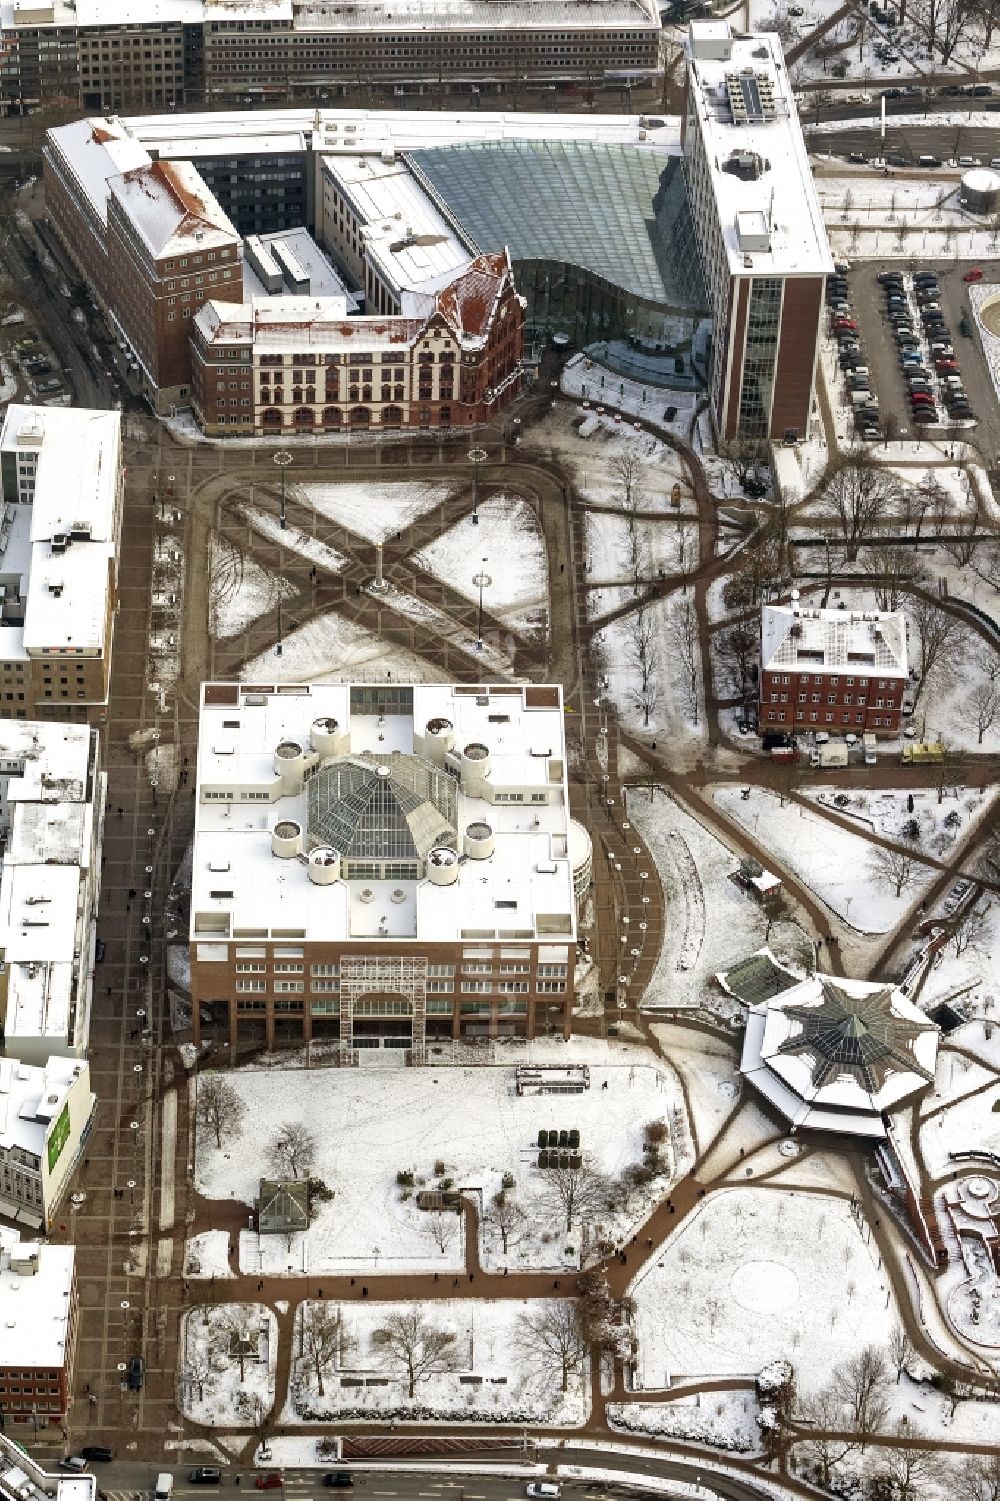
x,y
882,356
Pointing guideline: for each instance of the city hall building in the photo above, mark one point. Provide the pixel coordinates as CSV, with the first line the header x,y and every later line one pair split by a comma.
x,y
382,865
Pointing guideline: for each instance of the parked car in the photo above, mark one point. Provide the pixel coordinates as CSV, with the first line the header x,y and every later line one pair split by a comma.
x,y
885,276
272,1481
74,1463
97,1453
205,1475
975,274
919,276
845,323
338,1478
50,385
754,487
135,1373
925,416
36,364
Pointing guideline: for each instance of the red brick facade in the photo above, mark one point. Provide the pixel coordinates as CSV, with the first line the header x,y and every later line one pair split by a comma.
x,y
46,1392
840,702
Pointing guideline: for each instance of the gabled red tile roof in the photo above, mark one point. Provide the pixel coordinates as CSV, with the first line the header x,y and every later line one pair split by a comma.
x,y
468,303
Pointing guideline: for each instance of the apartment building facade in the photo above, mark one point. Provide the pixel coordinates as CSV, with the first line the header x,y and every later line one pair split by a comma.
x,y
39,1315
192,51
61,496
763,246
283,365
378,866
46,1116
835,671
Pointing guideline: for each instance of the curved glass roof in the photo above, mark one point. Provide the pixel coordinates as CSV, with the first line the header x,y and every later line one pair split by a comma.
x,y
398,808
857,1035
600,207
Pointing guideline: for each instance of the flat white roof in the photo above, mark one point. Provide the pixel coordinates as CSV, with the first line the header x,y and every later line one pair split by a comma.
x,y
23,1478
224,132
49,838
480,15
34,1310
413,244
32,1097
76,498
273,324
762,123
529,874
805,639
324,280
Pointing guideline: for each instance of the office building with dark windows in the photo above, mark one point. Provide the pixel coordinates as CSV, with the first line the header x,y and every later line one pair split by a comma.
x,y
764,250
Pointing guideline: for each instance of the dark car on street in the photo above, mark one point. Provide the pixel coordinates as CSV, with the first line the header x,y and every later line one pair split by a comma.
x,y
135,1373
97,1453
338,1478
205,1475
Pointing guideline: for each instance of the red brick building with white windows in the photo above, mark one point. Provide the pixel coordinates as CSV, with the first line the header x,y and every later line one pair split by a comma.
x,y
288,365
838,671
39,1312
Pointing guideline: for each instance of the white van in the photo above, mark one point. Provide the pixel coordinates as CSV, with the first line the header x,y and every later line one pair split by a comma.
x,y
543,1490
164,1486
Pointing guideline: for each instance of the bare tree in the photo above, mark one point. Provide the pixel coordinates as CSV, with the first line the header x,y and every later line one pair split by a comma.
x,y
442,1226
218,1107
239,1328
291,1151
506,1217
411,1343
862,1383
971,928
201,1365
630,472
746,455
941,639
902,1473
823,1414
319,1338
554,1340
949,767
978,1478
576,1192
255,1412
965,537
737,650
643,655
900,1349
857,497
891,568
896,867
683,632
981,709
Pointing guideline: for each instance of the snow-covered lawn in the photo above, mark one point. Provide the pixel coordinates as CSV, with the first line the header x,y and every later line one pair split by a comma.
x,y
240,590
836,864
726,1420
464,1125
708,1067
507,546
970,1122
332,647
378,509
666,546
491,654
215,1385
492,1369
888,814
207,1255
715,922
293,539
757,1275
668,682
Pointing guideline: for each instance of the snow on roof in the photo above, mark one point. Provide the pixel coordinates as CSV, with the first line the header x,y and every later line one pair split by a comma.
x,y
47,787
92,151
525,888
172,208
138,12
224,133
742,100
35,1308
324,280
824,641
836,1054
478,15
73,524
32,1097
410,240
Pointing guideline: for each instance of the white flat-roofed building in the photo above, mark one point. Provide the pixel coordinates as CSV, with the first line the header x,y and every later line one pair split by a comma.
x,y
764,248
270,264
60,530
51,819
390,234
39,1315
46,1115
380,865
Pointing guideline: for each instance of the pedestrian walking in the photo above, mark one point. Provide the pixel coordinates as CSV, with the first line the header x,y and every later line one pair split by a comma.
x,y
471,1274
436,1277
321,1292
556,1283
352,1281
364,1292
121,812
505,1271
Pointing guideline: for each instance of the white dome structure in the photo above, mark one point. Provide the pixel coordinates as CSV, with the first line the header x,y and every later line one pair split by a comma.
x,y
838,1055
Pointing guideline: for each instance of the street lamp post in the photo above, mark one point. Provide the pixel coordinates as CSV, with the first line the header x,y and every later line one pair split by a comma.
x,y
282,458
482,581
477,456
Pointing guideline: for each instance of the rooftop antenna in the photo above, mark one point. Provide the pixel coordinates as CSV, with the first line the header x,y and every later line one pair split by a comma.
x,y
770,210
